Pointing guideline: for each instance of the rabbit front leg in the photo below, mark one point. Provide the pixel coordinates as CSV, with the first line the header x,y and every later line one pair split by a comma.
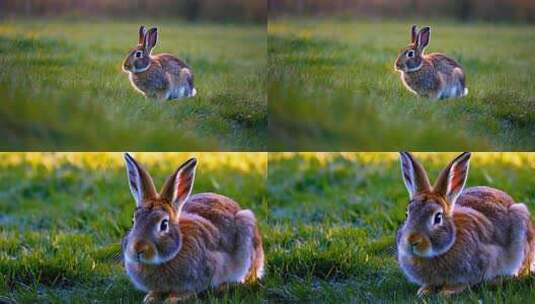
x,y
426,290
160,94
448,290
176,297
152,297
445,290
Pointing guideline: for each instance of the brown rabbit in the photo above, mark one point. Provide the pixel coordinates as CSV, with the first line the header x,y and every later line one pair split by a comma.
x,y
435,75
181,245
161,76
454,238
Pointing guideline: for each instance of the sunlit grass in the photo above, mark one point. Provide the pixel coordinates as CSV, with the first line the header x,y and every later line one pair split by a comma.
x,y
328,222
244,161
483,158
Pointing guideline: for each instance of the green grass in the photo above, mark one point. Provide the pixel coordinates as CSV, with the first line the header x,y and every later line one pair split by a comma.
x,y
334,218
328,223
332,86
62,218
62,87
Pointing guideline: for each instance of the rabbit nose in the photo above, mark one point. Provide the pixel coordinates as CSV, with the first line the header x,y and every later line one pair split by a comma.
x,y
414,240
141,248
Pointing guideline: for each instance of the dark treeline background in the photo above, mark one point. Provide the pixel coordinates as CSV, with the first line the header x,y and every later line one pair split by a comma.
x,y
512,10
193,10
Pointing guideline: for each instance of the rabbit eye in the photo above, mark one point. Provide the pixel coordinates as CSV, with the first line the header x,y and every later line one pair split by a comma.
x,y
138,54
410,54
438,218
164,225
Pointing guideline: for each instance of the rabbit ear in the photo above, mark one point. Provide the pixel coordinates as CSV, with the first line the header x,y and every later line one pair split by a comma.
x,y
451,181
150,39
414,175
413,34
422,40
178,186
142,33
141,184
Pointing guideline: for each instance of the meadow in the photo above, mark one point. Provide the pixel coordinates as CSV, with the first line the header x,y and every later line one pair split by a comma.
x,y
62,217
328,223
332,86
62,87
334,218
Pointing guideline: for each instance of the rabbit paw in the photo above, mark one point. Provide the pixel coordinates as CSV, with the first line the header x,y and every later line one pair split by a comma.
x,y
175,297
425,291
152,297
448,290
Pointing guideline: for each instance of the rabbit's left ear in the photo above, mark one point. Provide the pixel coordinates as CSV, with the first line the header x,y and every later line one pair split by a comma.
x,y
142,33
413,33
422,40
150,39
451,181
413,175
178,186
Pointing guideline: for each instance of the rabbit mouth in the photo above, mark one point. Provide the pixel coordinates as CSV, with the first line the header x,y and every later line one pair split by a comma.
x,y
418,246
148,259
134,258
127,68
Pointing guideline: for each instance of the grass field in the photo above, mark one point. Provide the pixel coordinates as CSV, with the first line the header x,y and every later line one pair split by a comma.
x,y
328,222
334,218
62,87
332,86
62,218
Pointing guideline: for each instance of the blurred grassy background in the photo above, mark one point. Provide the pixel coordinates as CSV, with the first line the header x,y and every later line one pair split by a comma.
x,y
332,86
62,87
62,217
333,219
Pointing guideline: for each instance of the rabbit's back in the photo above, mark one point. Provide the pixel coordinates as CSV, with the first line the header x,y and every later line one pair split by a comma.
x,y
485,199
442,63
218,210
485,212
170,63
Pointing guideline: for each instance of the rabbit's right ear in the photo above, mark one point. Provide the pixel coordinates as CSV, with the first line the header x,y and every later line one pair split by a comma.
x,y
413,33
151,38
178,186
451,181
422,39
142,33
414,175
140,182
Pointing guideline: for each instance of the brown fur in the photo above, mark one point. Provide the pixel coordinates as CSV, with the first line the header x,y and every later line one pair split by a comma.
x,y
433,76
211,231
492,235
166,77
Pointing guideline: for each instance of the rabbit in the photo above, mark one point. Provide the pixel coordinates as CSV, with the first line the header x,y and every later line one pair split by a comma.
x,y
435,76
181,245
161,76
453,237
